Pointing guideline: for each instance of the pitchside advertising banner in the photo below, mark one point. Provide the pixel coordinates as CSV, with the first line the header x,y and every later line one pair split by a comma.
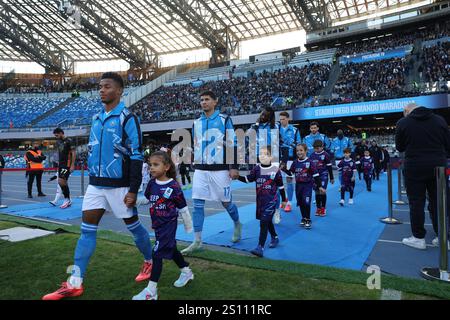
x,y
436,101
396,53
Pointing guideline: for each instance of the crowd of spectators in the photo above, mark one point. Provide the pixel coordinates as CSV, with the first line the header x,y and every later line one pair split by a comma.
x,y
394,40
372,80
71,86
436,63
240,95
376,45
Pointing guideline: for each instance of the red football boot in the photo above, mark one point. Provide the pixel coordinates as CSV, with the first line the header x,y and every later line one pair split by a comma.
x,y
66,291
145,273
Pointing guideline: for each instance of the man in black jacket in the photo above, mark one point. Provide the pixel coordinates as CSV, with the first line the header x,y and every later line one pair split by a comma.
x,y
425,139
377,155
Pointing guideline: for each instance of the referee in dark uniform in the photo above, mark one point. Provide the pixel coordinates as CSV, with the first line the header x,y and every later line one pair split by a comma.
x,y
66,164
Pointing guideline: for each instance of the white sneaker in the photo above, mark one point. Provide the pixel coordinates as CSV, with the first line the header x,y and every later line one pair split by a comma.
x,y
185,277
342,202
195,246
277,217
146,294
350,201
435,243
53,203
415,243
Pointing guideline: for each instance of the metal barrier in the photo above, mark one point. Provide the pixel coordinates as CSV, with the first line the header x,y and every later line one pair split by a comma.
x,y
2,206
441,273
390,219
400,179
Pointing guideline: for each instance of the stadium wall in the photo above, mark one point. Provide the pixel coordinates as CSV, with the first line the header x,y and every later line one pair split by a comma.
x,y
436,101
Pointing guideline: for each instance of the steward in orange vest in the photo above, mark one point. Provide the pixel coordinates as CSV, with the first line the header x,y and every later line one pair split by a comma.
x,y
34,159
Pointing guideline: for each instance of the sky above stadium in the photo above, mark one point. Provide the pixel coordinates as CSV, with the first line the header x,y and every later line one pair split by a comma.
x,y
248,48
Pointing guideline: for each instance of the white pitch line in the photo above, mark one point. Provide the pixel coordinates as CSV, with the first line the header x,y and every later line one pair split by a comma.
x,y
22,200
49,221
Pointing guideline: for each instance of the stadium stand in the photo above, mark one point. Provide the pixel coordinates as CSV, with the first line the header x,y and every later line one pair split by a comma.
x,y
242,95
436,60
78,112
286,82
18,112
371,80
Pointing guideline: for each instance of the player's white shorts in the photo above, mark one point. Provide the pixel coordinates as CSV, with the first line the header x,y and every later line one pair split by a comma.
x,y
109,199
211,185
288,166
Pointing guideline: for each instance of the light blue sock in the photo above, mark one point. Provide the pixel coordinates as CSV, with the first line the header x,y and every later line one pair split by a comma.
x,y
85,248
232,210
290,191
198,214
141,239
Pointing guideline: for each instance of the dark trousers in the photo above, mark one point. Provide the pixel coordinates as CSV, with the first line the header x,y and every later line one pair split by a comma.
x,y
384,165
31,176
185,175
376,172
321,200
303,192
420,183
265,227
158,265
368,180
360,170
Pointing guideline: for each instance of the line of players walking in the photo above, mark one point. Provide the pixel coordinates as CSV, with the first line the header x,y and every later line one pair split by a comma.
x,y
303,161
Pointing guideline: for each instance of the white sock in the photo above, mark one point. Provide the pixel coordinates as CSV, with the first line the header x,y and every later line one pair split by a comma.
x,y
152,286
198,236
149,261
58,194
185,270
236,223
75,282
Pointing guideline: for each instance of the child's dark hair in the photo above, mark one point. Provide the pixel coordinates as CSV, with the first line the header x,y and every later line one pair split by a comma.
x,y
171,173
318,144
267,148
347,150
58,130
303,145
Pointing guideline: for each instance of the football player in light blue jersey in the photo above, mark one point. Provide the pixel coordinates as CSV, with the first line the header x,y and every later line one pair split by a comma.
x,y
289,138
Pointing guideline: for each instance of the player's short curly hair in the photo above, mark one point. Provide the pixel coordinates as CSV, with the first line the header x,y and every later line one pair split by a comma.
x,y
115,77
